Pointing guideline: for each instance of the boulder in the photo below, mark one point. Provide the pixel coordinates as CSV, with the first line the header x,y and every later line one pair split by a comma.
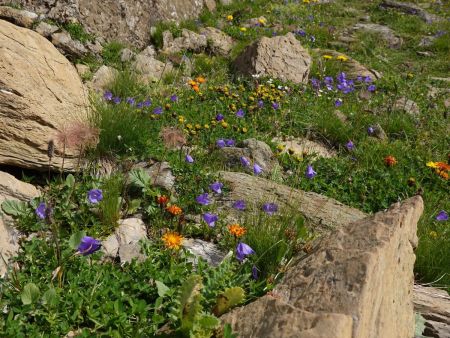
x,y
149,68
45,29
103,78
323,212
18,17
11,189
40,93
218,42
188,40
280,57
362,273
126,21
301,146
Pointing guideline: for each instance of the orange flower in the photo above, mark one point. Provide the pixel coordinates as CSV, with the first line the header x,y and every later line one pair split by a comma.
x,y
441,168
172,240
192,83
162,200
236,230
200,79
174,210
390,161
196,89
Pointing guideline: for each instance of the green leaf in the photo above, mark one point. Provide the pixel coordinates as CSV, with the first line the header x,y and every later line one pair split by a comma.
x,y
228,331
420,325
208,322
14,208
134,205
50,297
162,288
139,178
228,299
75,239
70,181
30,294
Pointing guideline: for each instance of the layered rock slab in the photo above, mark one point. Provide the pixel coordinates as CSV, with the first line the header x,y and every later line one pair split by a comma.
x,y
362,270
40,93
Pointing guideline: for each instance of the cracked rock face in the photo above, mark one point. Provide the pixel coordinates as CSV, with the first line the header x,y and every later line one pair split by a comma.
x,y
127,21
40,93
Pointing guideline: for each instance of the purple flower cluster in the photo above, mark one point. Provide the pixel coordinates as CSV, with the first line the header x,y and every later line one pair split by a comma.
x,y
225,143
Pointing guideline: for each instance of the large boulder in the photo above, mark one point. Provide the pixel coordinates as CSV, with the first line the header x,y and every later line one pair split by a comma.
x,y
11,189
360,278
280,57
40,93
127,21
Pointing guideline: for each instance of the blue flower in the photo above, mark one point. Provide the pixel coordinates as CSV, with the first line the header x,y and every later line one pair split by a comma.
x,y
244,161
219,117
338,102
216,187
370,130
310,173
257,169
260,103
240,113
158,111
174,98
239,205
243,250
117,100
88,245
41,210
442,216
230,143
189,159
210,219
254,272
270,208
275,105
147,103
220,143
95,196
203,199
108,96
131,101
371,88
350,145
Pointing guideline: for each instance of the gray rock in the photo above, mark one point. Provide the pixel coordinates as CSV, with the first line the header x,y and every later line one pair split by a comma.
x,y
281,57
187,41
129,232
210,4
408,106
410,8
226,2
300,146
379,133
206,250
126,21
160,174
11,189
427,41
384,32
218,42
128,252
64,42
45,29
95,47
103,78
18,17
148,67
127,55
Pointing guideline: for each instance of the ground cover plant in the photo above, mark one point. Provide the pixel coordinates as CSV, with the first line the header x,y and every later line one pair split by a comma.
x,y
58,283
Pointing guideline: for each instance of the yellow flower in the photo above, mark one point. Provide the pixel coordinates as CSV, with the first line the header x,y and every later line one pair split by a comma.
x,y
243,29
432,165
172,240
189,126
244,130
281,147
197,126
229,17
433,234
224,124
206,126
327,57
342,58
262,21
181,119
410,75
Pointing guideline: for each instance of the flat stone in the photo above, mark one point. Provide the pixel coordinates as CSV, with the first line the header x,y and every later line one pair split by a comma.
x,y
64,42
408,106
386,33
410,8
149,68
45,29
300,146
18,17
206,250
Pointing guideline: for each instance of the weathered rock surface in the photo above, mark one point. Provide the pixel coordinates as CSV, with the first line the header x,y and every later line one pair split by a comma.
x,y
434,305
254,150
188,40
351,67
11,188
218,42
281,57
317,209
410,8
127,21
18,17
408,106
206,250
149,68
125,240
363,271
384,32
46,29
40,92
160,174
301,146
103,78
69,47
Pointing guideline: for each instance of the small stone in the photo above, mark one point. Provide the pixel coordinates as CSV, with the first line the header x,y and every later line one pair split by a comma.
x,y
160,174
206,250
148,67
408,106
103,78
46,29
126,55
188,40
64,42
300,146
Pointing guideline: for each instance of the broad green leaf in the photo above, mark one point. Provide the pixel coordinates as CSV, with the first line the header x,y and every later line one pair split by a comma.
x,y
209,322
70,181
14,208
139,178
162,288
50,297
228,299
75,239
30,294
